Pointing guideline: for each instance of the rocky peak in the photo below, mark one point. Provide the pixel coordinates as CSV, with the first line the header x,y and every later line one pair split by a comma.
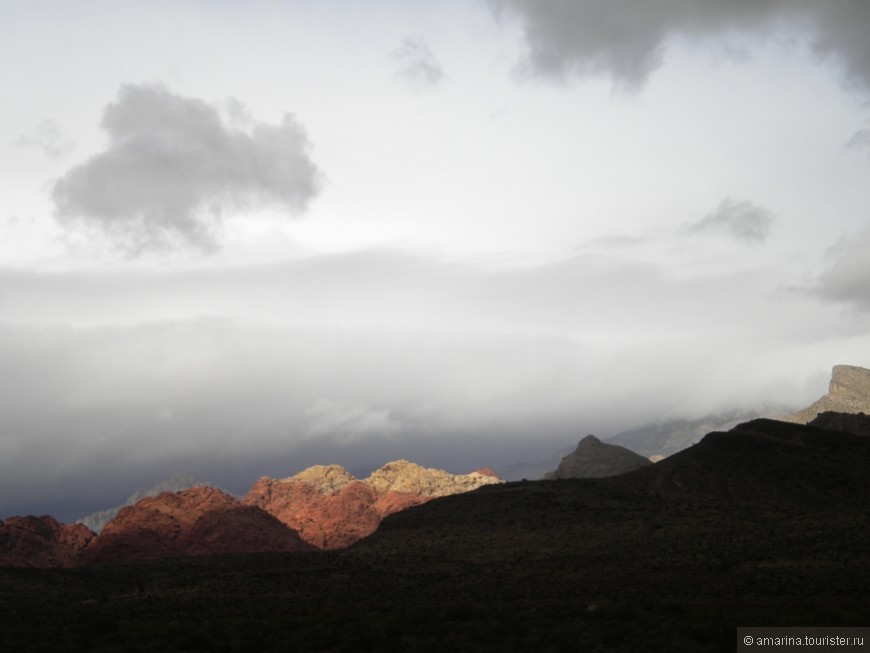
x,y
594,459
405,476
589,443
848,392
324,478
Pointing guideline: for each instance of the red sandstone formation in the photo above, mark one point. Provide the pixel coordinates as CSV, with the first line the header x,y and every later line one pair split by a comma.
x,y
331,509
41,542
197,521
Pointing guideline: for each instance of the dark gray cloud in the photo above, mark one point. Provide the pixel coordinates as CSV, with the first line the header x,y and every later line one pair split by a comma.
x,y
847,277
418,65
626,39
48,138
840,34
741,219
174,168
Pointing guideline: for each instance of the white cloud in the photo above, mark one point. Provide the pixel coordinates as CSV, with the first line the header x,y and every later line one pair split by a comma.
x,y
740,219
47,138
345,422
860,141
419,67
847,277
174,169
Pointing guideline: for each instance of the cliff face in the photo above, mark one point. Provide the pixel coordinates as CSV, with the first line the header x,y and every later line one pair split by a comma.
x,y
331,509
848,392
196,521
41,542
595,459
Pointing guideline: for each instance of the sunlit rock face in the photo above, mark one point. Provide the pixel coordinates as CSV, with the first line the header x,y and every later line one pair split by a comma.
x,y
849,392
331,509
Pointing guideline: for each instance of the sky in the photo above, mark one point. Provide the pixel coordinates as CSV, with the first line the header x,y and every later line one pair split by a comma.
x,y
239,239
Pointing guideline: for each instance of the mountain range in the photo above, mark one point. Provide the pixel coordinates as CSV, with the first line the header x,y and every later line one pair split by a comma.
x,y
763,523
322,507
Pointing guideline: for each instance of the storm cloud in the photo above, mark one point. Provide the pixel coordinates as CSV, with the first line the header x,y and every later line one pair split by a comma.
x,y
174,169
626,40
740,219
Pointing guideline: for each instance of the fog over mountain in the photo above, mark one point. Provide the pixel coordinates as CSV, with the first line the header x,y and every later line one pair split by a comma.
x,y
299,234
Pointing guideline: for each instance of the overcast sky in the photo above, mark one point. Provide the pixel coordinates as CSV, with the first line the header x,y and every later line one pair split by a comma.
x,y
239,239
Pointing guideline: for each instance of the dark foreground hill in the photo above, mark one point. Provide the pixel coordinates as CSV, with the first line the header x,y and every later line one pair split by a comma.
x,y
764,525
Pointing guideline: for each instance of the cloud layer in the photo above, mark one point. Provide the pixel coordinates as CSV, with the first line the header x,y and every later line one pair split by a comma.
x,y
174,169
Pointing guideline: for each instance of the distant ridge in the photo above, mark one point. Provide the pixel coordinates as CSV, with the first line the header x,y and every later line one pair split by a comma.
x,y
666,438
848,392
594,459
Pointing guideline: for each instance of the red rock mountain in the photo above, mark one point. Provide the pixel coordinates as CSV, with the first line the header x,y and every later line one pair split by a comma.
x,y
332,509
41,542
197,521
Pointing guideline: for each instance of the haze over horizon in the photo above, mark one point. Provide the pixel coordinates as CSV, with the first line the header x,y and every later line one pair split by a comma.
x,y
242,239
